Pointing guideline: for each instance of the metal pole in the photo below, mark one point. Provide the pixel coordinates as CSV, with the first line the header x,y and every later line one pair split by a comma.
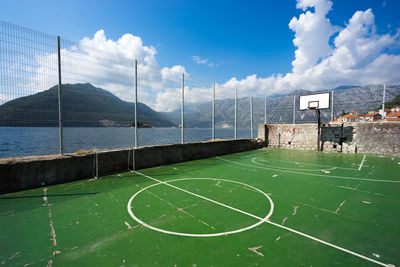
x,y
265,111
213,115
294,109
183,110
235,114
333,94
319,130
383,101
60,125
133,160
251,118
97,164
136,124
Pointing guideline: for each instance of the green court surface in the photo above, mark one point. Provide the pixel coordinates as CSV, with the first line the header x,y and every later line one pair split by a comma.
x,y
267,207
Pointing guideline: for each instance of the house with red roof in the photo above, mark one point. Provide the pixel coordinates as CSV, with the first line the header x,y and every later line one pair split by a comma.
x,y
348,118
370,117
384,112
393,116
396,108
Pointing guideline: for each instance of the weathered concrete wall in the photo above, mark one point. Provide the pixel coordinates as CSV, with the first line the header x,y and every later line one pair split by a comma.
x,y
302,136
371,138
378,138
338,137
29,172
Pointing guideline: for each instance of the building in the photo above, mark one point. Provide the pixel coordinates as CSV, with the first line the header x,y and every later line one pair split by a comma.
x,y
370,117
348,118
335,120
393,116
384,112
396,108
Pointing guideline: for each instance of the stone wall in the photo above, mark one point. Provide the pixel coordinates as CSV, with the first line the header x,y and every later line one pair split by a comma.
x,y
378,138
29,172
370,138
301,136
338,137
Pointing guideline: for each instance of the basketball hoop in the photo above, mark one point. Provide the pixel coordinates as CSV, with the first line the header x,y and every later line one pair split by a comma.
x,y
319,101
315,102
313,105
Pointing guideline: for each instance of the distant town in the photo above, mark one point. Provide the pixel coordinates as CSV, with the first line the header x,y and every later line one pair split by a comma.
x,y
383,115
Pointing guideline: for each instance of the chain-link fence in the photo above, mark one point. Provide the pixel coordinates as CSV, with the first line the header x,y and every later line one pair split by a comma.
x,y
28,110
58,96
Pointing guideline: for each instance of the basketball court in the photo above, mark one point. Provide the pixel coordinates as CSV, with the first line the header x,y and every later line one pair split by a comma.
x,y
268,207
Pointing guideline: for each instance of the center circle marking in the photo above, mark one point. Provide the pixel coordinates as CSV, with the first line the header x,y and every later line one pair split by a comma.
x,y
200,235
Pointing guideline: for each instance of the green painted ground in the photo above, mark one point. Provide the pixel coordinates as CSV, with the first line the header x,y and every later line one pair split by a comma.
x,y
314,195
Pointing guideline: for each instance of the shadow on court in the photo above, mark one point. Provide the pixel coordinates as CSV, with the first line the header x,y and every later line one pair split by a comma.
x,y
52,195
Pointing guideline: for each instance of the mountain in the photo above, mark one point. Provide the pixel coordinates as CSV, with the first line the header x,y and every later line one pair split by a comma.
x,y
83,105
391,104
345,87
280,108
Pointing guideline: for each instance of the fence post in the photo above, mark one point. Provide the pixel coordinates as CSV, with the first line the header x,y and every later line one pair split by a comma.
x,y
133,160
96,154
333,94
251,118
183,110
235,114
265,111
136,124
383,101
213,115
294,109
60,123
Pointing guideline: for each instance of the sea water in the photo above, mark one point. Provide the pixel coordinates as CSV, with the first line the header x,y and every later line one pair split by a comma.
x,y
32,141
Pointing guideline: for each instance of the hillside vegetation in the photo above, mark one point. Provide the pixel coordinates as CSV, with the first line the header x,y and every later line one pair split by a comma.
x,y
83,105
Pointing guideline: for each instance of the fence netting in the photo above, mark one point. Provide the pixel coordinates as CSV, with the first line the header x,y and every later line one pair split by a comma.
x,y
96,103
28,101
97,98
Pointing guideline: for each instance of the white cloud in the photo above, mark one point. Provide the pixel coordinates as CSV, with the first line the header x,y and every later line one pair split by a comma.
x,y
204,61
110,65
199,60
326,56
312,33
170,99
358,55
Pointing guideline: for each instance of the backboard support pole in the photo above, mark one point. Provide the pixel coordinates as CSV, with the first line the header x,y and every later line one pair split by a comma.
x,y
319,130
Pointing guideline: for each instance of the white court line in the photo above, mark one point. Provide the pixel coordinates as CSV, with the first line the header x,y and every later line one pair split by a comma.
x,y
199,235
362,162
311,174
268,221
312,164
208,199
256,154
331,168
329,244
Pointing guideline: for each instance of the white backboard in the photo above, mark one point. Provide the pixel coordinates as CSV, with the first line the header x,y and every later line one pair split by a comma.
x,y
320,101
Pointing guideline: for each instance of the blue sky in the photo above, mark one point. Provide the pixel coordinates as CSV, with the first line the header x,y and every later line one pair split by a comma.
x,y
238,38
241,37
